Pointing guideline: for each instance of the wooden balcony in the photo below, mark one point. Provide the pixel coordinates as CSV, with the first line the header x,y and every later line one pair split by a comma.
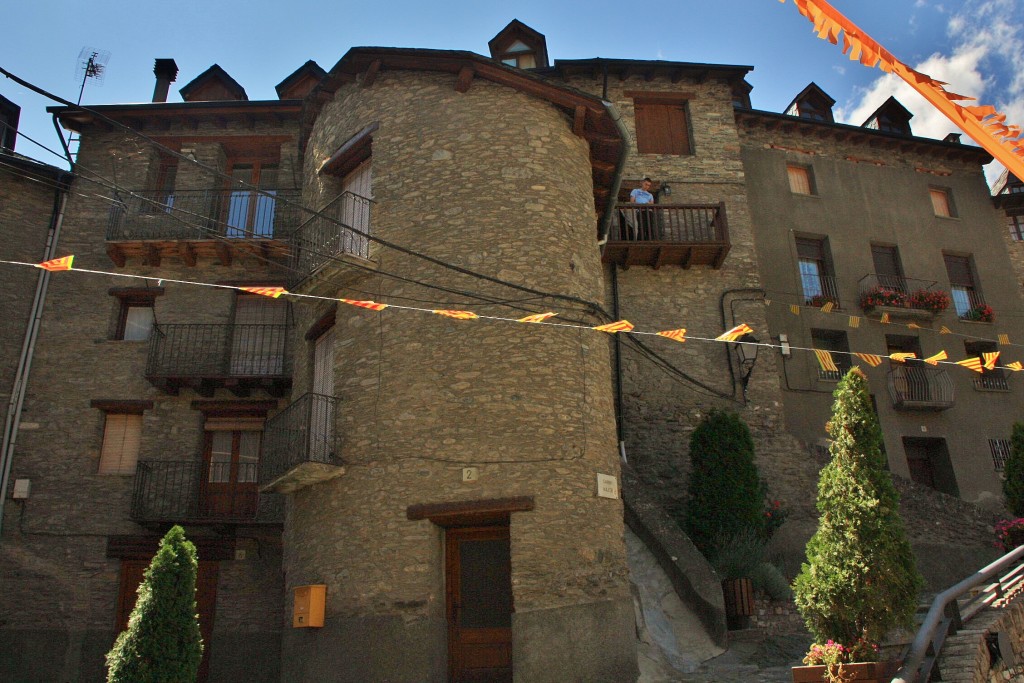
x,y
195,224
301,445
204,358
658,235
189,492
917,387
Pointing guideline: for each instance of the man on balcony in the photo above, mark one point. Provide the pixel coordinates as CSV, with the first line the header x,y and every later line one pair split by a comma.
x,y
639,219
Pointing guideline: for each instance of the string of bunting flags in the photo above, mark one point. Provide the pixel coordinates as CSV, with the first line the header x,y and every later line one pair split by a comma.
x,y
987,361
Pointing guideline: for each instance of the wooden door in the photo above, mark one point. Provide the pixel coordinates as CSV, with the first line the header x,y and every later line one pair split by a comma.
x,y
258,336
919,462
478,582
230,467
206,601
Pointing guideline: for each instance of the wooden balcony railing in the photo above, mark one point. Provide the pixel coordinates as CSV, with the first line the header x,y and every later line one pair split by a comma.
x,y
191,224
917,387
193,493
339,229
206,357
668,234
301,445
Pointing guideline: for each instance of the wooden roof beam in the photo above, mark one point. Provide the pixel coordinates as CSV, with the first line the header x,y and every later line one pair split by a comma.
x,y
579,121
464,79
187,253
371,73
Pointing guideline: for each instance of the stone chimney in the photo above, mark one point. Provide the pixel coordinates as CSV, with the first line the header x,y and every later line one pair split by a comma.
x,y
166,73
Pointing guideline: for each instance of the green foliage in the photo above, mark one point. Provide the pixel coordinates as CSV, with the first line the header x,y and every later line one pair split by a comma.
x,y
860,579
162,642
725,492
742,556
770,579
1013,484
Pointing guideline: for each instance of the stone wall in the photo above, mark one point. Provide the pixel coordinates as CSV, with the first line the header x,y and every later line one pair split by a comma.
x,y
966,657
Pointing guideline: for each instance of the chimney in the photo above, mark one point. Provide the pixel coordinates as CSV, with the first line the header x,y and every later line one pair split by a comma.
x,y
952,137
166,73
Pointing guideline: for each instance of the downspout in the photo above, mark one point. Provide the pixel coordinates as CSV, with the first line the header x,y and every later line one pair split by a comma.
x,y
18,388
618,366
620,168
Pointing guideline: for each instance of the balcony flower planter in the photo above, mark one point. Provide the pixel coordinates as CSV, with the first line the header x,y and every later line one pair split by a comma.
x,y
899,312
982,313
934,301
819,300
861,672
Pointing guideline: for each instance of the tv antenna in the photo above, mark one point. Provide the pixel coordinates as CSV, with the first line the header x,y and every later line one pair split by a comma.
x,y
92,64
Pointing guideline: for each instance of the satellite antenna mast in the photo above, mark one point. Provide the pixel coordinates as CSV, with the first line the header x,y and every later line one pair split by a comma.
x,y
92,64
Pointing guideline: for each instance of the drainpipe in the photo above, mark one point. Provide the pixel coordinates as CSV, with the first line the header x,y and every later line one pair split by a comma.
x,y
17,401
620,168
618,365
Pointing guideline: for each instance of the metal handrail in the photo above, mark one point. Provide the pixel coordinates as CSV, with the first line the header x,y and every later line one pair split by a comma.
x,y
340,227
910,671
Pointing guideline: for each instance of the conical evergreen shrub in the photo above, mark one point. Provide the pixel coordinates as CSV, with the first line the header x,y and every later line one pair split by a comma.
x,y
726,497
1013,470
860,579
162,642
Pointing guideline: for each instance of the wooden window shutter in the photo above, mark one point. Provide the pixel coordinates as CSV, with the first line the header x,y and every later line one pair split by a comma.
x,y
661,128
122,434
959,270
940,202
887,260
810,249
799,179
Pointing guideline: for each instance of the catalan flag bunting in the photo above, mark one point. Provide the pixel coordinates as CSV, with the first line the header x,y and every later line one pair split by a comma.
x,y
913,326
272,292
537,317
679,335
945,330
870,358
63,263
827,307
990,359
372,305
735,333
854,321
972,363
1015,366
617,326
458,315
825,361
902,357
885,319
794,309
1004,339
934,360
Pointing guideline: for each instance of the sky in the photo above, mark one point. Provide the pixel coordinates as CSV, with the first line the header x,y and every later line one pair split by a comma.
x,y
977,46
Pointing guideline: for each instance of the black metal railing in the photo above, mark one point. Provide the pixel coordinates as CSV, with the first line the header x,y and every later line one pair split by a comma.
x,y
897,291
842,362
992,381
212,350
969,304
677,223
341,227
820,290
204,215
183,491
919,386
303,432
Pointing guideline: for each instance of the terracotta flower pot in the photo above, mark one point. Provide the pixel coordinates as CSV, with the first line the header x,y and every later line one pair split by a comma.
x,y
861,672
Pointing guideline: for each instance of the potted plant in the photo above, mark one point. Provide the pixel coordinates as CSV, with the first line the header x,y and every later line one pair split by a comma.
x,y
935,301
882,296
982,313
1010,534
819,300
860,579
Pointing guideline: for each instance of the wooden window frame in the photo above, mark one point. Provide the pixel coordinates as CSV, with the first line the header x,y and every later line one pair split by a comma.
x,y
945,192
808,174
130,413
1016,227
133,297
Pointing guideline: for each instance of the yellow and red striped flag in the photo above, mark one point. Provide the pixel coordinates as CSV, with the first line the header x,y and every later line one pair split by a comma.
x,y
372,305
827,306
63,263
767,302
617,326
678,335
794,309
972,363
825,361
902,356
735,333
934,360
1004,339
870,358
945,330
885,318
272,292
1015,366
990,359
537,317
913,326
458,315
854,321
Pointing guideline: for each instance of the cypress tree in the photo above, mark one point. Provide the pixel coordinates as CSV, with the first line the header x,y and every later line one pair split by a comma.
x,y
860,579
1013,484
726,497
162,642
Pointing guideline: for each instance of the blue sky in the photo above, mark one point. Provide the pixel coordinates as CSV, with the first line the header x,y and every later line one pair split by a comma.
x,y
975,45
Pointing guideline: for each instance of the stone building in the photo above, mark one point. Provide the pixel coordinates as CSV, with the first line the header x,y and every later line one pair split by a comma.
x,y
452,483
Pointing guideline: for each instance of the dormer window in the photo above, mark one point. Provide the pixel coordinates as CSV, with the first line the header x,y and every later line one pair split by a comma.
x,y
519,46
812,103
891,117
521,55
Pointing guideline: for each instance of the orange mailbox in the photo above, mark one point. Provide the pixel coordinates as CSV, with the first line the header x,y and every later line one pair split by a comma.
x,y
309,606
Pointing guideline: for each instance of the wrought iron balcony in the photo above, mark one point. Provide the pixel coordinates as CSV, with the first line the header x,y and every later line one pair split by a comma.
x,y
668,234
820,289
301,445
182,492
919,387
192,224
992,381
902,297
206,357
338,230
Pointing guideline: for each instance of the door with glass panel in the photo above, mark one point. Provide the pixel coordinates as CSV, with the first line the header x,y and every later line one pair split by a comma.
x,y
250,214
355,209
229,472
321,434
258,336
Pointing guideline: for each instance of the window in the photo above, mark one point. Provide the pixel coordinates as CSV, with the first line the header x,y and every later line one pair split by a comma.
x,y
251,214
989,380
836,341
888,268
942,204
1017,227
966,298
135,315
166,177
233,433
1000,449
662,125
816,270
122,433
800,179
521,55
